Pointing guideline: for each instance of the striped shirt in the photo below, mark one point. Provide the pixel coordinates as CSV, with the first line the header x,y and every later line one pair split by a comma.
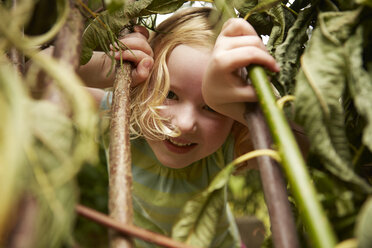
x,y
160,192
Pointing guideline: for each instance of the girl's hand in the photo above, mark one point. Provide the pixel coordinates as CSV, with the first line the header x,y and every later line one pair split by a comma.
x,y
96,74
223,88
139,52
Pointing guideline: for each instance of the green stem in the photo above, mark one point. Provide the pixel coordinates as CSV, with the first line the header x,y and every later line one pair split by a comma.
x,y
318,226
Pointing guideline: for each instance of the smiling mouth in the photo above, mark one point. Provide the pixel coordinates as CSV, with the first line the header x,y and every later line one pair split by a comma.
x,y
178,146
177,143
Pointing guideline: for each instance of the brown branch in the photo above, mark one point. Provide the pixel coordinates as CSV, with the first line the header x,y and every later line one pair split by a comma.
x,y
120,179
274,187
129,230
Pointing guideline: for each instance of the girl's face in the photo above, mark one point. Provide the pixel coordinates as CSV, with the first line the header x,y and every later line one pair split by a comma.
x,y
203,130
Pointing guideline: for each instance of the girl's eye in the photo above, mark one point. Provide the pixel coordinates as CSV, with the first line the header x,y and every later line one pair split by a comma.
x,y
172,96
206,107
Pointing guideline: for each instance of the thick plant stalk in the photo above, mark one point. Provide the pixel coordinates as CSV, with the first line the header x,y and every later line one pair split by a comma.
x,y
130,230
318,227
120,179
274,187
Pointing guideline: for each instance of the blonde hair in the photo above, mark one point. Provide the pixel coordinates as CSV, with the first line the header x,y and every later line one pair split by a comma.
x,y
190,26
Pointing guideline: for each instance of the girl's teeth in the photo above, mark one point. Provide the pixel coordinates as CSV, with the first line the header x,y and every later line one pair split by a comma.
x,y
179,144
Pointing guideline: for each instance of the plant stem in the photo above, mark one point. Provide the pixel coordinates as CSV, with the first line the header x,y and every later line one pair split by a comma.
x,y
120,163
131,230
318,226
274,186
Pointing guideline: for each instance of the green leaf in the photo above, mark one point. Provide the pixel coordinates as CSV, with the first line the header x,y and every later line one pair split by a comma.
x,y
288,53
100,33
260,21
277,34
105,29
364,225
360,80
163,6
320,86
201,215
263,6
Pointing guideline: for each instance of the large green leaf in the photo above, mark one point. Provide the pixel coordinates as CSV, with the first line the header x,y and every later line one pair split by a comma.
x,y
320,86
201,215
360,80
364,225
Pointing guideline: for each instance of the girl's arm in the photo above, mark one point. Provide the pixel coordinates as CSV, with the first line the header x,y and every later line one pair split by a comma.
x,y
223,88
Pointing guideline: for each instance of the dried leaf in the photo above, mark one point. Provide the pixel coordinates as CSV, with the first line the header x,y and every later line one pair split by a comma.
x,y
288,53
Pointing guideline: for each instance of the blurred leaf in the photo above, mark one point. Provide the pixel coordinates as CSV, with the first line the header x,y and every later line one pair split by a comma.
x,y
365,2
201,214
51,151
350,243
14,136
364,225
320,87
113,5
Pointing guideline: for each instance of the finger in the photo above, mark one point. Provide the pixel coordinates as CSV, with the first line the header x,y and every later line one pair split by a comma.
x,y
227,43
134,56
142,30
245,93
135,42
237,27
142,71
244,56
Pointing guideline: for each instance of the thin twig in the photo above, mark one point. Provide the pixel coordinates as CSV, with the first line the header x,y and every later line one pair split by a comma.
x,y
129,230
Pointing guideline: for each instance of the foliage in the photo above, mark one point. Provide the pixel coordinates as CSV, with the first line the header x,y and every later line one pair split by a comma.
x,y
47,147
322,46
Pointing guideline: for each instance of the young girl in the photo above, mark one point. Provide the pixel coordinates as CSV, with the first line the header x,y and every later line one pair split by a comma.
x,y
188,102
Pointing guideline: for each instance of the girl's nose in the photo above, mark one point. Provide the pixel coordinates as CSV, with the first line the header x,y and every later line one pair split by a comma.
x,y
186,119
